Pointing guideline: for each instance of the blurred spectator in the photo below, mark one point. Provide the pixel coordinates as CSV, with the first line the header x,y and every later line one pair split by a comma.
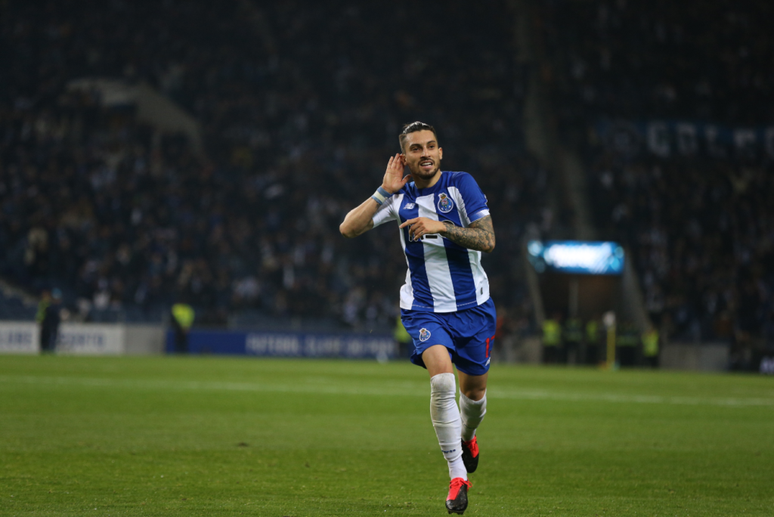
x,y
552,340
49,318
651,347
182,319
627,344
573,337
592,352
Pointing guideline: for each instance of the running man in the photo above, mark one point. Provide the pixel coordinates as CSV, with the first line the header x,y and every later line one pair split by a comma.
x,y
444,226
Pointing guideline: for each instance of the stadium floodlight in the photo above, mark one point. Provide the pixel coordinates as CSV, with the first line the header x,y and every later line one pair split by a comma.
x,y
577,257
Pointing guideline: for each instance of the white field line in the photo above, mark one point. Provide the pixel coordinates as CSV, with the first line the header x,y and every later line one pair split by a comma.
x,y
386,390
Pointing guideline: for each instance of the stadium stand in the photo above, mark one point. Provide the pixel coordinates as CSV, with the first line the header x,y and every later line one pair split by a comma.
x,y
669,106
298,118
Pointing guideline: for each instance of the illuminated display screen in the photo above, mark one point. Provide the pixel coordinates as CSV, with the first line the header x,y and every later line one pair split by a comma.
x,y
577,257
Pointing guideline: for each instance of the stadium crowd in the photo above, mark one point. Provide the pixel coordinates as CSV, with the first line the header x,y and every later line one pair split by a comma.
x,y
623,59
698,220
298,117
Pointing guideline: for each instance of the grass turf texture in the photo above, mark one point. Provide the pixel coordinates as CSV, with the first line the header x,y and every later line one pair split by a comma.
x,y
188,436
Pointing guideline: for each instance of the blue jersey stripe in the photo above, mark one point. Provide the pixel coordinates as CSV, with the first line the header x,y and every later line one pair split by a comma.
x,y
462,276
419,281
415,255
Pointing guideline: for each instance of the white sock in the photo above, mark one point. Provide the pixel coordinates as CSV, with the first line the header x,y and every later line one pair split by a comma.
x,y
446,420
471,413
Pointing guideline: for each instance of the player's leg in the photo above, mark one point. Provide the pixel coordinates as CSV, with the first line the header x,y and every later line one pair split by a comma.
x,y
432,343
472,411
443,407
437,360
472,402
473,386
476,329
447,423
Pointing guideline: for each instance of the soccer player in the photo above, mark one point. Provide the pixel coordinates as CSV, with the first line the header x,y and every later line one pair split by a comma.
x,y
444,226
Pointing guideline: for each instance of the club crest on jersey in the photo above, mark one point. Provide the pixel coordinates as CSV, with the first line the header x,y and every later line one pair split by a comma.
x,y
445,204
424,335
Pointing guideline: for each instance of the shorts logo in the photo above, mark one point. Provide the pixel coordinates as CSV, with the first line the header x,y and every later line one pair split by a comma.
x,y
445,203
424,335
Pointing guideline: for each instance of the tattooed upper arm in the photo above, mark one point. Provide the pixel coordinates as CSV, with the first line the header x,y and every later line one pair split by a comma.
x,y
485,223
478,236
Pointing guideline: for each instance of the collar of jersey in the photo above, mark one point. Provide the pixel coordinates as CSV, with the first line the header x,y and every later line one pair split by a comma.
x,y
428,190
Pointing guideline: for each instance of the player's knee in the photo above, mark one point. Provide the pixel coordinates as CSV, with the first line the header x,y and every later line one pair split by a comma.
x,y
443,384
475,393
442,400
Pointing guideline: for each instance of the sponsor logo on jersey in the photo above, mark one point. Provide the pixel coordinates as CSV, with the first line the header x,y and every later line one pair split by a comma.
x,y
409,206
445,204
424,335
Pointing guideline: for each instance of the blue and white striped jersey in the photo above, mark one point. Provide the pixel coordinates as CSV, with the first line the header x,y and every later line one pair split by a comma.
x,y
442,276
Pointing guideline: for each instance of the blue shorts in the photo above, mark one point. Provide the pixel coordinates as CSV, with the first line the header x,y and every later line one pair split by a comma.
x,y
468,334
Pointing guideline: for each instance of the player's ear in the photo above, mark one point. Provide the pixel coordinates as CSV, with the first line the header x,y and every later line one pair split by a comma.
x,y
403,159
440,153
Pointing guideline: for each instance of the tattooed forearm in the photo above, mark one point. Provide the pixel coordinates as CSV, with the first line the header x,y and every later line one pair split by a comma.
x,y
478,236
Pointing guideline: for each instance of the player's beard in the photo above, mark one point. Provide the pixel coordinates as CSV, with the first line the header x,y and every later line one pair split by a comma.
x,y
425,175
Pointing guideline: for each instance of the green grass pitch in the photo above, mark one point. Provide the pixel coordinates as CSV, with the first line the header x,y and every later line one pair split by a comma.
x,y
210,436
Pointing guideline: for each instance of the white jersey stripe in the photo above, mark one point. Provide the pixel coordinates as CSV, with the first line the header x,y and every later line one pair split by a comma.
x,y
455,194
436,264
479,276
407,290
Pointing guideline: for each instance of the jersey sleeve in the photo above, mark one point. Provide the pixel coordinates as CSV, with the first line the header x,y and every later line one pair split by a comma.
x,y
386,212
475,201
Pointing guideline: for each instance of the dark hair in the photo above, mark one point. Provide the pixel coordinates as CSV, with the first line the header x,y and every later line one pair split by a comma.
x,y
415,126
